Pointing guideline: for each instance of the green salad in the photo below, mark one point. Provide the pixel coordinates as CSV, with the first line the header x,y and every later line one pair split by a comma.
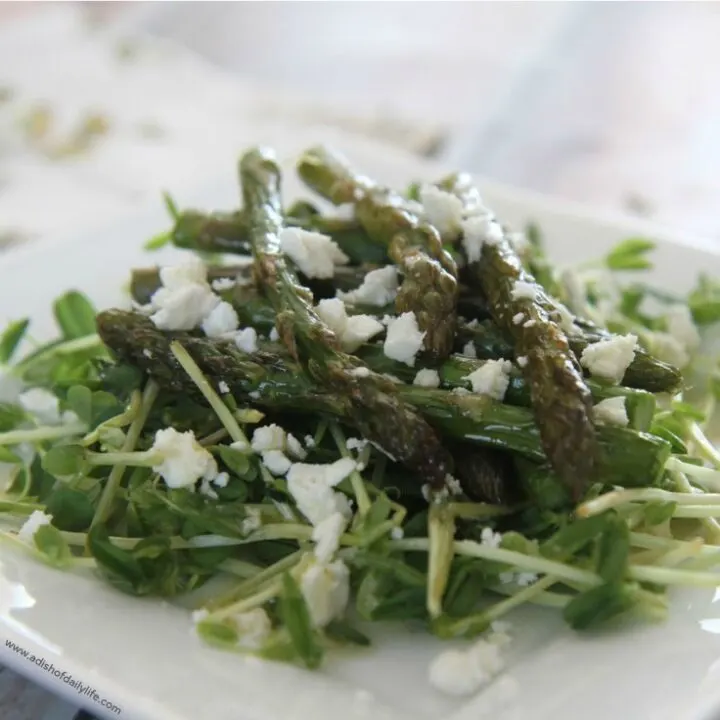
x,y
399,410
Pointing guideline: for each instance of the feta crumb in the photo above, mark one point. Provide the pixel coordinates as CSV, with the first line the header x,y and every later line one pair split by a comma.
x,y
246,340
681,326
316,255
351,330
356,444
42,404
252,521
469,350
276,462
378,288
206,490
274,334
460,391
523,579
253,628
293,446
474,323
491,379
443,210
221,320
240,445
268,437
522,361
611,412
148,354
404,339
524,291
221,480
255,394
397,533
221,284
609,359
360,372
34,522
326,589
479,230
387,319
453,485
326,536
518,318
309,439
490,538
223,387
182,460
184,298
464,672
427,378
426,491
529,323
311,486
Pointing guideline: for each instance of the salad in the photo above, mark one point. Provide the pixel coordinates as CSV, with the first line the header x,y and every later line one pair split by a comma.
x,y
399,410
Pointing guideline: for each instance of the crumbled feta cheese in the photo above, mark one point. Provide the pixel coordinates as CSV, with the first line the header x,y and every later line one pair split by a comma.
x,y
246,340
182,460
426,491
252,521
387,319
309,439
184,299
404,339
360,372
611,412
293,446
221,320
351,330
148,354
681,326
255,394
206,490
523,579
42,404
326,536
427,378
221,480
518,318
443,210
460,391
469,349
221,284
326,589
522,361
397,533
223,387
453,485
529,323
34,522
276,462
490,538
311,486
253,628
524,291
240,445
316,255
464,672
268,437
609,359
379,287
491,379
274,334
479,230
356,444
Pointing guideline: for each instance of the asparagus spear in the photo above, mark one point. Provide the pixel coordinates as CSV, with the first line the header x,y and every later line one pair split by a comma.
x,y
429,288
275,382
375,406
561,400
229,233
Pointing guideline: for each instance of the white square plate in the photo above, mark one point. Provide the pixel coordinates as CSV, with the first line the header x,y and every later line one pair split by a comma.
x,y
142,656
